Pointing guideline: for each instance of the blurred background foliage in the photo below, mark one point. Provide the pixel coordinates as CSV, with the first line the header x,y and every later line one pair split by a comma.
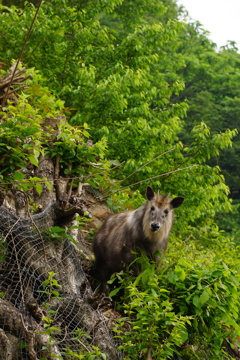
x,y
155,95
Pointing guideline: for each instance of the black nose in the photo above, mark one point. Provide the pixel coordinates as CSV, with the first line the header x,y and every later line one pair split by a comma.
x,y
155,226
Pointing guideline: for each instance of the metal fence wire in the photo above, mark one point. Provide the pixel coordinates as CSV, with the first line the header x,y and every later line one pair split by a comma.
x,y
45,311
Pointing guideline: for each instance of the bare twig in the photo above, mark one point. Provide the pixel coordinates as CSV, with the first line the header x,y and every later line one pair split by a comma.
x,y
71,182
40,181
57,167
105,170
21,52
40,235
154,177
70,189
15,90
10,230
80,187
5,80
149,353
147,163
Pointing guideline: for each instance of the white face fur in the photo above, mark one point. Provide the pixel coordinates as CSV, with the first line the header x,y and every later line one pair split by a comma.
x,y
158,218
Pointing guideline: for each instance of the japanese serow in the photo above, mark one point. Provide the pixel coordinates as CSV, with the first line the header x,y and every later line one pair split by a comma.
x,y
146,228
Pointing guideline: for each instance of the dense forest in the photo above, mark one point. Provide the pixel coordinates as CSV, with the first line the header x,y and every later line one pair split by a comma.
x,y
99,99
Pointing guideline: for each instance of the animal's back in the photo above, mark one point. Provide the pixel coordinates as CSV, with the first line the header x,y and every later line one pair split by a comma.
x,y
115,242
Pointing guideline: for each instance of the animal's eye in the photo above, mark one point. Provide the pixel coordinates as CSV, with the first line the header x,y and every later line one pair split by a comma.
x,y
152,208
166,212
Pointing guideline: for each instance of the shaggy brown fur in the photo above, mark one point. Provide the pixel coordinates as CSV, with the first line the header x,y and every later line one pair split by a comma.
x,y
146,228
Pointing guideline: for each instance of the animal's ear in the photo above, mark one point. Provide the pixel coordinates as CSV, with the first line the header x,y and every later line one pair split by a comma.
x,y
150,193
176,202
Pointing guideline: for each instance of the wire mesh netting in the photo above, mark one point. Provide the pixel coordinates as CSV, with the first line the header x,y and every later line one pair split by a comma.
x,y
45,309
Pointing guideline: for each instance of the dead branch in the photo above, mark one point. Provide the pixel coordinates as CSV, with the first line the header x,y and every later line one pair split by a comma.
x,y
12,78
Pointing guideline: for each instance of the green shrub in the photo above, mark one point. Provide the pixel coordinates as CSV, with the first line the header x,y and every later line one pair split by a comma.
x,y
190,305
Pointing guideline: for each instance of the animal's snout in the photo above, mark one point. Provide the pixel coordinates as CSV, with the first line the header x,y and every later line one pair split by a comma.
x,y
155,227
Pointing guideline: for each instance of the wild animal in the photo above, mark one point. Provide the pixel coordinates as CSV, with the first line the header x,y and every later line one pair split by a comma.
x,y
121,235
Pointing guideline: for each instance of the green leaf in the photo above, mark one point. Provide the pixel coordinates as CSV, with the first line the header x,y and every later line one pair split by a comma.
x,y
114,292
33,160
204,297
196,301
18,176
38,188
180,273
173,277
45,283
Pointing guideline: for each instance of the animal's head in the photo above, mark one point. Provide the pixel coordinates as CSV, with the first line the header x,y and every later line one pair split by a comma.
x,y
159,209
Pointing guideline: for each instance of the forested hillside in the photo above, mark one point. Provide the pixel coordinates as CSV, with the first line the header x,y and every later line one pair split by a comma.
x,y
108,97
